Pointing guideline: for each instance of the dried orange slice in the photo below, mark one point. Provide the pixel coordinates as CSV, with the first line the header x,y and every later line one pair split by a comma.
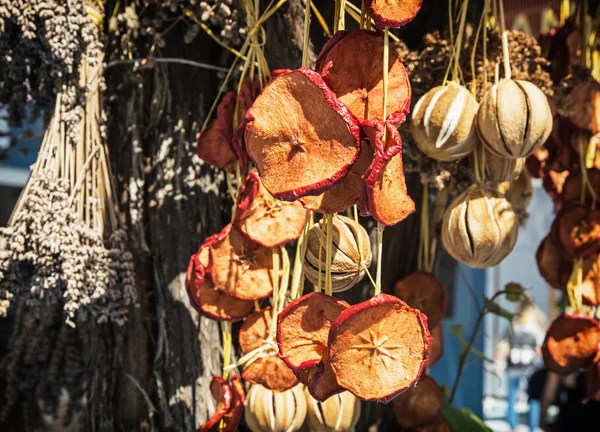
x,y
437,346
254,330
353,69
378,348
576,230
219,387
239,267
384,194
552,265
302,140
207,300
393,13
303,328
270,372
422,290
231,419
571,344
347,193
264,219
419,405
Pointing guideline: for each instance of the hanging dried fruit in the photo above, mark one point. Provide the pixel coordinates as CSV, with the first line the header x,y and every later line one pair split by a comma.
x,y
248,93
443,122
520,193
339,413
576,231
393,13
232,417
265,220
585,98
500,169
202,293
378,348
219,388
514,118
267,411
571,344
423,291
552,265
349,261
590,285
439,425
214,143
309,149
419,405
479,228
573,187
347,193
384,194
353,69
271,372
239,267
437,346
254,330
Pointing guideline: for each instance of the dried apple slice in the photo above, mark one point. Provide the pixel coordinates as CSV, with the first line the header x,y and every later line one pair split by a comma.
x,y
302,140
378,348
207,300
572,188
232,418
439,425
590,286
270,372
552,265
571,344
384,194
437,346
576,230
419,405
333,41
239,267
422,290
347,193
353,69
213,148
221,392
303,328
265,220
254,330
393,13
322,383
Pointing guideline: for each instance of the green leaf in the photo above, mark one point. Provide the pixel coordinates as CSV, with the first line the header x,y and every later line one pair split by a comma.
x,y
457,330
496,309
481,356
514,292
463,420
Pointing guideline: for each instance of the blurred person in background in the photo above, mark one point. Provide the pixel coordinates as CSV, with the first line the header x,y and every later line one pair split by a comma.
x,y
518,356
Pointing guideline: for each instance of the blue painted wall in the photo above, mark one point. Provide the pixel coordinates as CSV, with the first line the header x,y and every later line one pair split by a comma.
x,y
29,138
470,389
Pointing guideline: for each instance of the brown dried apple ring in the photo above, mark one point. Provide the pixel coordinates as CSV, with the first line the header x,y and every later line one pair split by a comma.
x,y
254,330
270,372
576,230
378,348
552,265
347,193
423,291
303,329
437,346
322,383
239,267
590,286
353,69
393,13
213,148
384,194
207,300
231,419
264,219
573,185
221,392
302,140
571,344
419,405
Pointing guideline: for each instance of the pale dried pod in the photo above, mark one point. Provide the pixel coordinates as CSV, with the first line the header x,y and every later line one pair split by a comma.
x,y
514,118
348,261
267,411
480,228
443,122
520,194
499,169
339,413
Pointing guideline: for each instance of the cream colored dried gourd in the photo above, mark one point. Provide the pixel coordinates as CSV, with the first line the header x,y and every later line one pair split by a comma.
x,y
267,411
514,118
500,169
339,413
443,122
480,228
346,267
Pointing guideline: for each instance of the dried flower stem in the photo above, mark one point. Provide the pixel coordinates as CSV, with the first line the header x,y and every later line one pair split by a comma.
x,y
328,253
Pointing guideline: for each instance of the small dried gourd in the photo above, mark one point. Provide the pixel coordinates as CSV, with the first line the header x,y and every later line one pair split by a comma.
x,y
514,118
499,169
339,413
349,261
443,122
267,411
480,228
